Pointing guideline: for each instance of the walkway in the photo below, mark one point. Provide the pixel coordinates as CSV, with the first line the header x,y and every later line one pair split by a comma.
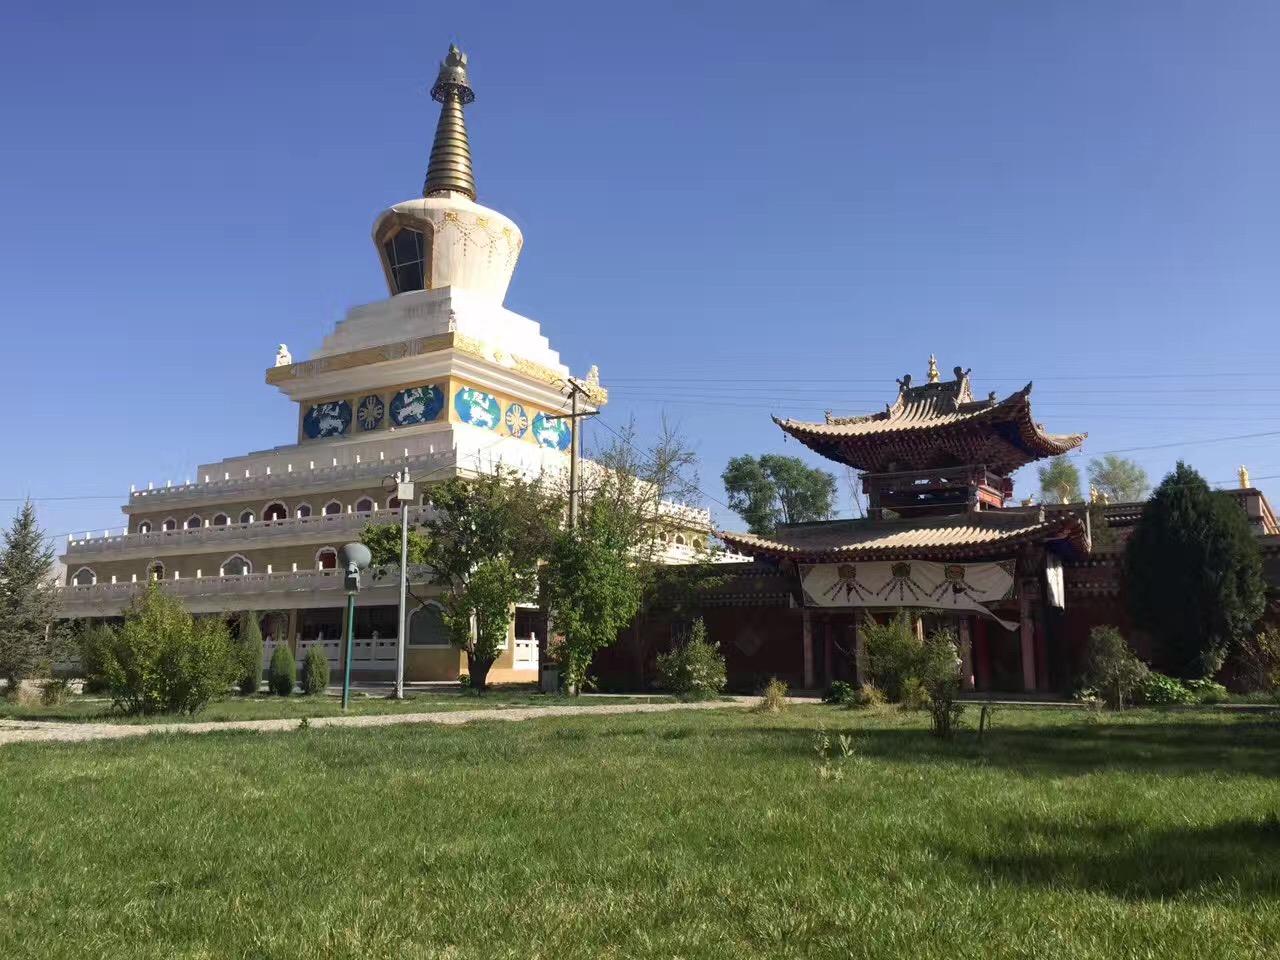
x,y
41,731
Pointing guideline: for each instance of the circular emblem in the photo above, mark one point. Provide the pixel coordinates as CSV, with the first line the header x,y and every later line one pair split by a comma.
x,y
331,419
554,434
516,421
370,411
416,405
477,408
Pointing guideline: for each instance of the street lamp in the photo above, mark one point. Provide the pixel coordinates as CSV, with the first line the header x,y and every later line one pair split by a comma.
x,y
353,557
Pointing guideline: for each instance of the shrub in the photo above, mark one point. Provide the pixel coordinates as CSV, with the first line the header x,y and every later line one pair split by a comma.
x,y
939,673
1207,690
92,640
464,681
1158,690
1111,668
868,695
282,673
891,651
695,668
840,692
162,660
53,693
249,655
773,699
1257,660
914,695
315,671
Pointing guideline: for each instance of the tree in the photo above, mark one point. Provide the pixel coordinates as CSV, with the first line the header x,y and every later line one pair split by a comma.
x,y
597,575
773,489
1060,481
1193,573
249,654
29,637
1119,479
482,542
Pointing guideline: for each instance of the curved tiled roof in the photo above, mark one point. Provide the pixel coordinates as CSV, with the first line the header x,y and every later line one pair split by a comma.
x,y
980,533
933,425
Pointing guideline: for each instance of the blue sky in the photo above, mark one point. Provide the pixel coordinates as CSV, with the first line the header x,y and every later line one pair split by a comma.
x,y
735,209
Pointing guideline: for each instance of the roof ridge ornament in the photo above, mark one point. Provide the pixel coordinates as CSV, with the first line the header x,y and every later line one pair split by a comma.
x,y
1244,477
449,170
933,369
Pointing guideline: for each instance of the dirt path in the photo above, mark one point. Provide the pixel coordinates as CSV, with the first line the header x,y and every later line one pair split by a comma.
x,y
40,731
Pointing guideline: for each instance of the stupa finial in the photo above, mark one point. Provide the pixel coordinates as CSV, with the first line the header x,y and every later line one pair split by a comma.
x,y
449,170
933,369
1244,477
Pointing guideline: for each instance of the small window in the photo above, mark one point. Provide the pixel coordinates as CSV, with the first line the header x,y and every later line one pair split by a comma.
x,y
194,523
246,517
426,627
84,577
275,511
144,526
364,505
235,566
403,252
332,507
170,524
304,510
327,559
155,570
680,539
221,520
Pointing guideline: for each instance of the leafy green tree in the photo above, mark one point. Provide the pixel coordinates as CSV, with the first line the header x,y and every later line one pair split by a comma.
x,y
282,672
772,489
1060,481
1111,667
29,637
1193,573
482,543
249,654
1119,479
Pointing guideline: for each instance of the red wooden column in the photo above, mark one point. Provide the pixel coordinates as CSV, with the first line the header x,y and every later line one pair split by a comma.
x,y
807,628
966,653
982,653
829,651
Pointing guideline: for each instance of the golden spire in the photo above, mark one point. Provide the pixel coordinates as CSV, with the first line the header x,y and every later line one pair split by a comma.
x,y
1094,496
933,369
450,166
1244,477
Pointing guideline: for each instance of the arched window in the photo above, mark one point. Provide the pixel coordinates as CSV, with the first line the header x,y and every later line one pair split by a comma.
x,y
155,570
169,524
221,520
332,507
326,559
275,511
84,577
246,517
426,627
304,510
144,526
364,505
406,259
194,522
680,539
235,566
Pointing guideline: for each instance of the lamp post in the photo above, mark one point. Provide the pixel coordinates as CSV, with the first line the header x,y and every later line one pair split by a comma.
x,y
354,557
404,493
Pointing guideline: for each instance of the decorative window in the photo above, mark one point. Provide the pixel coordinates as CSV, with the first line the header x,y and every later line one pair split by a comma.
x,y
246,517
144,526
680,540
364,505
169,524
84,577
275,511
326,559
403,252
304,510
194,523
332,507
393,502
221,520
235,566
426,627
155,570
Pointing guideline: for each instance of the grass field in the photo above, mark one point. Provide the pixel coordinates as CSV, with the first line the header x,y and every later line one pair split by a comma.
x,y
704,834
97,709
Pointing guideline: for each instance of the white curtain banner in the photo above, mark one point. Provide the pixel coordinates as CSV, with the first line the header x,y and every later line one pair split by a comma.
x,y
1055,581
907,583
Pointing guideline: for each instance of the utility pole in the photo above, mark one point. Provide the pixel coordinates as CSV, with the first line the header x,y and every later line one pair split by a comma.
x,y
573,416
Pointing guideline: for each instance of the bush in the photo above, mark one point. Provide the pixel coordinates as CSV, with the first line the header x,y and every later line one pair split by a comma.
x,y
282,673
1158,690
53,693
315,672
939,674
914,695
868,695
1112,669
773,699
892,650
1207,690
249,655
92,640
840,692
694,669
1257,660
162,660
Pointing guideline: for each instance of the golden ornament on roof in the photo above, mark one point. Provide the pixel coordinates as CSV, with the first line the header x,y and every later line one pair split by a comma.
x,y
933,369
1244,477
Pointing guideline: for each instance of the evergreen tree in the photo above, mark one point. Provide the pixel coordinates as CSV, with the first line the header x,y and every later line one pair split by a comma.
x,y
28,599
1193,573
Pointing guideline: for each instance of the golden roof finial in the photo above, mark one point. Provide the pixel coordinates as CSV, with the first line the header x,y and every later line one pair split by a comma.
x,y
1244,477
449,170
1094,496
933,369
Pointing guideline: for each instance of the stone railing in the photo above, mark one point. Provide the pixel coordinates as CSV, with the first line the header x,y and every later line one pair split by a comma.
x,y
331,526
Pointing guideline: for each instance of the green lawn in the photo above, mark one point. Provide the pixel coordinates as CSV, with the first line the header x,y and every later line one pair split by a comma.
x,y
698,834
86,709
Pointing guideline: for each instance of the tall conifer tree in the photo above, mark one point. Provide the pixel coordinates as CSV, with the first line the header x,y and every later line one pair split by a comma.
x,y
28,598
